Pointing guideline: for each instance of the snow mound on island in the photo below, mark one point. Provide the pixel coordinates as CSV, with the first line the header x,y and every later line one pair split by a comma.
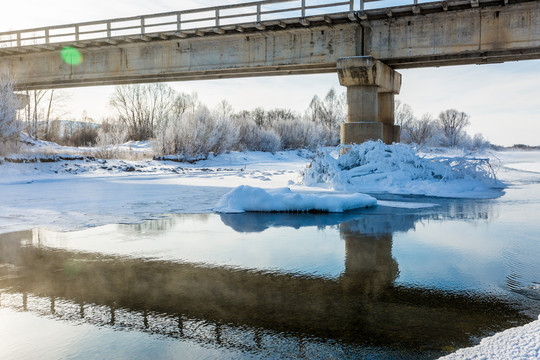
x,y
517,343
246,198
375,167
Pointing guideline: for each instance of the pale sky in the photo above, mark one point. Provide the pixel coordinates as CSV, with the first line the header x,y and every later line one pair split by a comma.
x,y
503,99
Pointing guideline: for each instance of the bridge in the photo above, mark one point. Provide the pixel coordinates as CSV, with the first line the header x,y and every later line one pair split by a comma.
x,y
364,41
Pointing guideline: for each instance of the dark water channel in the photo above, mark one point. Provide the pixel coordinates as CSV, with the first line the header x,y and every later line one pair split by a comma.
x,y
385,283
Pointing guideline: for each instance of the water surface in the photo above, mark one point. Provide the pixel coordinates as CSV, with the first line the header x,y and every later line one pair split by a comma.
x,y
383,283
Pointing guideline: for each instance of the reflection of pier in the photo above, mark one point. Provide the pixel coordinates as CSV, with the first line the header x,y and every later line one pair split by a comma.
x,y
215,304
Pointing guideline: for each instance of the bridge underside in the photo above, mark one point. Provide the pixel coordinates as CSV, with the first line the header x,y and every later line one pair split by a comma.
x,y
433,34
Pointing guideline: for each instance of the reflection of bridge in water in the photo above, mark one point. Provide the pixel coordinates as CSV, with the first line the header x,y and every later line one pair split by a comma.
x,y
246,309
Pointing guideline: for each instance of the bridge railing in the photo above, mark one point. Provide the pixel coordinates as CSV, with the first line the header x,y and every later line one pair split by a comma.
x,y
177,22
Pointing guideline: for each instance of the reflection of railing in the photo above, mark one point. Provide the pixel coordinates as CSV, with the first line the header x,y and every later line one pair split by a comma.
x,y
172,326
182,23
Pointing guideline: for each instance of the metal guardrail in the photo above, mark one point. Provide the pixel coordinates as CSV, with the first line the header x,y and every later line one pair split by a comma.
x,y
177,22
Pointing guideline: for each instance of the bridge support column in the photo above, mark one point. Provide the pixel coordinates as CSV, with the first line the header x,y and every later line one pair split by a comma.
x,y
371,86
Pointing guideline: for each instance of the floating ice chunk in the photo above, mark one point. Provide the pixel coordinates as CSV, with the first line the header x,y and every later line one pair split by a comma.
x,y
246,198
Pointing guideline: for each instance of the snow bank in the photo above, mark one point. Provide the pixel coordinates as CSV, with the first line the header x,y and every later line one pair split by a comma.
x,y
246,198
518,343
374,167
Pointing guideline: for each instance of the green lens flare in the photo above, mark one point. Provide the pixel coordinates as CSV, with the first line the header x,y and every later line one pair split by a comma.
x,y
71,56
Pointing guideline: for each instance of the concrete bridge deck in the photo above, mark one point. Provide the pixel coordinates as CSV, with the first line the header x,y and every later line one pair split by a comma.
x,y
418,35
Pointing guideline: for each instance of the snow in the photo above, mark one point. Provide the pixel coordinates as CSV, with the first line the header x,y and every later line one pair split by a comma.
x,y
521,343
68,195
246,198
375,167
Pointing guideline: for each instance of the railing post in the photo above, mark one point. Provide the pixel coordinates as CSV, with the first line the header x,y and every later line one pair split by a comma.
x,y
77,33
258,13
361,4
351,7
47,40
217,17
179,22
19,42
108,29
142,25
303,9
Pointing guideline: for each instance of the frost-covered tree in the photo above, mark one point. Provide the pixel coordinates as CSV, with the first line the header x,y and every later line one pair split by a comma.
x,y
224,110
403,115
479,142
197,134
329,112
300,134
10,127
185,103
110,134
452,123
253,137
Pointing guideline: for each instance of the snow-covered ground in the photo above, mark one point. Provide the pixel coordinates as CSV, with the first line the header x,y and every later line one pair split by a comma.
x,y
518,344
89,191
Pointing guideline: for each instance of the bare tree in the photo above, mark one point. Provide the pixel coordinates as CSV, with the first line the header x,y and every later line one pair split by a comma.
x,y
34,110
403,115
54,111
141,107
452,123
43,106
421,130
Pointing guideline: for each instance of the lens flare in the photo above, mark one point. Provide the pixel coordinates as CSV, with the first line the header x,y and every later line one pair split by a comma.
x,y
71,56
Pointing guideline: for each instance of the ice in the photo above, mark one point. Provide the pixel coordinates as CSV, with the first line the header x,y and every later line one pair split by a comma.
x,y
374,167
247,198
405,205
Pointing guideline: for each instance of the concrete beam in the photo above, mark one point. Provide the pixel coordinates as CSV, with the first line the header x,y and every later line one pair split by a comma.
x,y
367,71
279,52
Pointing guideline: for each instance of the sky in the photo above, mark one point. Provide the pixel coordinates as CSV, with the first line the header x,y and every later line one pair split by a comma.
x,y
503,100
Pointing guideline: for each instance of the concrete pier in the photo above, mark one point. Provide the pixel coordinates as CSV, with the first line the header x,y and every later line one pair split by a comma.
x,y
371,86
